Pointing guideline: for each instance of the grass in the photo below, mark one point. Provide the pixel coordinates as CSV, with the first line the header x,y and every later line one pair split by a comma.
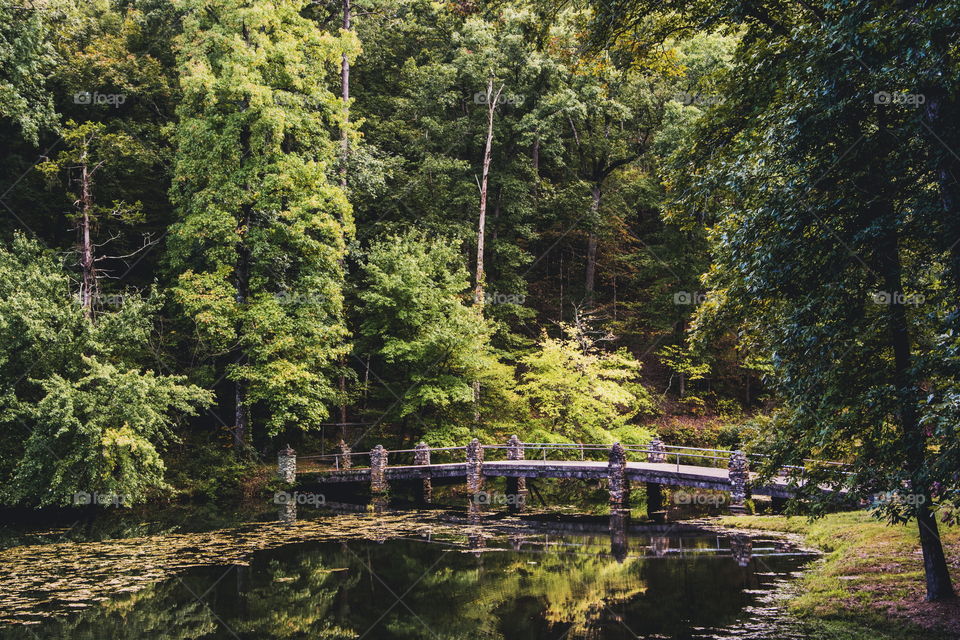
x,y
870,583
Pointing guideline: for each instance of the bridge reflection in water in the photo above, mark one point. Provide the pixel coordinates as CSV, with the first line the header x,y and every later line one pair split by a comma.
x,y
626,540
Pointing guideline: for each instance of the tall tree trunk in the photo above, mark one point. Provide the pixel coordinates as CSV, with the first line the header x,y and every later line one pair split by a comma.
x,y
914,440
344,157
478,292
87,265
484,179
681,334
241,417
913,437
613,282
591,270
560,303
345,96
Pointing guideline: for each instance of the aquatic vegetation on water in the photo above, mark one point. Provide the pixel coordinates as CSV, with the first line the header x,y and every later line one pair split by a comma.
x,y
398,573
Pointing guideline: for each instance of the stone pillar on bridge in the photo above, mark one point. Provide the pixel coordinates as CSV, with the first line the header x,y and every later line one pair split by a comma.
x,y
378,471
421,456
656,452
287,465
474,467
739,473
345,461
516,486
617,482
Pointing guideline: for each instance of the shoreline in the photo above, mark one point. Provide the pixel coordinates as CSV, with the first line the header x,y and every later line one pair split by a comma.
x,y
870,576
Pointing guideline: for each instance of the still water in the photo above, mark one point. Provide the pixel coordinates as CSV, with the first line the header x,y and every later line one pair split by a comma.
x,y
395,575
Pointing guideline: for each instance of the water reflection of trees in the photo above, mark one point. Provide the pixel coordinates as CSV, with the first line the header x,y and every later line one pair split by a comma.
x,y
158,611
491,595
521,585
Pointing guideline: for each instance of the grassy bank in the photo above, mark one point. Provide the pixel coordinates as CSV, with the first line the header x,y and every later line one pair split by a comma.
x,y
871,576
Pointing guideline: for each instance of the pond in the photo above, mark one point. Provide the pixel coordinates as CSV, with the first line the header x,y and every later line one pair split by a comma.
x,y
406,574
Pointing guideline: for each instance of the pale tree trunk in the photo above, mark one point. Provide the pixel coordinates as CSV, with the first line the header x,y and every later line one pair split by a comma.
x,y
345,96
590,275
87,264
681,376
478,292
492,100
591,269
241,418
344,157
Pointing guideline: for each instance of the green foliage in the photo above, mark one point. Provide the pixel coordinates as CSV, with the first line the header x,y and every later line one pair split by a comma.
x,y
26,58
606,162
80,412
682,362
92,145
204,467
708,433
426,347
577,393
100,434
833,202
257,252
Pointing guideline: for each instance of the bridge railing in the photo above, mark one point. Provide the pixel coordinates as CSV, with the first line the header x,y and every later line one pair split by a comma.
x,y
682,455
563,451
396,457
677,455
337,461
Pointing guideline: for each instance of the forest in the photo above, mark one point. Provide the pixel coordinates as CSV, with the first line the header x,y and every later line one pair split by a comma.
x,y
233,225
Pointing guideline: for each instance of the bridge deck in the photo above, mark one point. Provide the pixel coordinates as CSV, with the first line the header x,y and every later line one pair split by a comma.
x,y
660,473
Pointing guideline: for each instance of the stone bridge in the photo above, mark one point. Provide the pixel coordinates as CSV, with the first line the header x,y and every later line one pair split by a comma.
x,y
660,465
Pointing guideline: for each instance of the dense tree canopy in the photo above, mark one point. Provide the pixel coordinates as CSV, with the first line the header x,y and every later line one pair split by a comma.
x,y
826,180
